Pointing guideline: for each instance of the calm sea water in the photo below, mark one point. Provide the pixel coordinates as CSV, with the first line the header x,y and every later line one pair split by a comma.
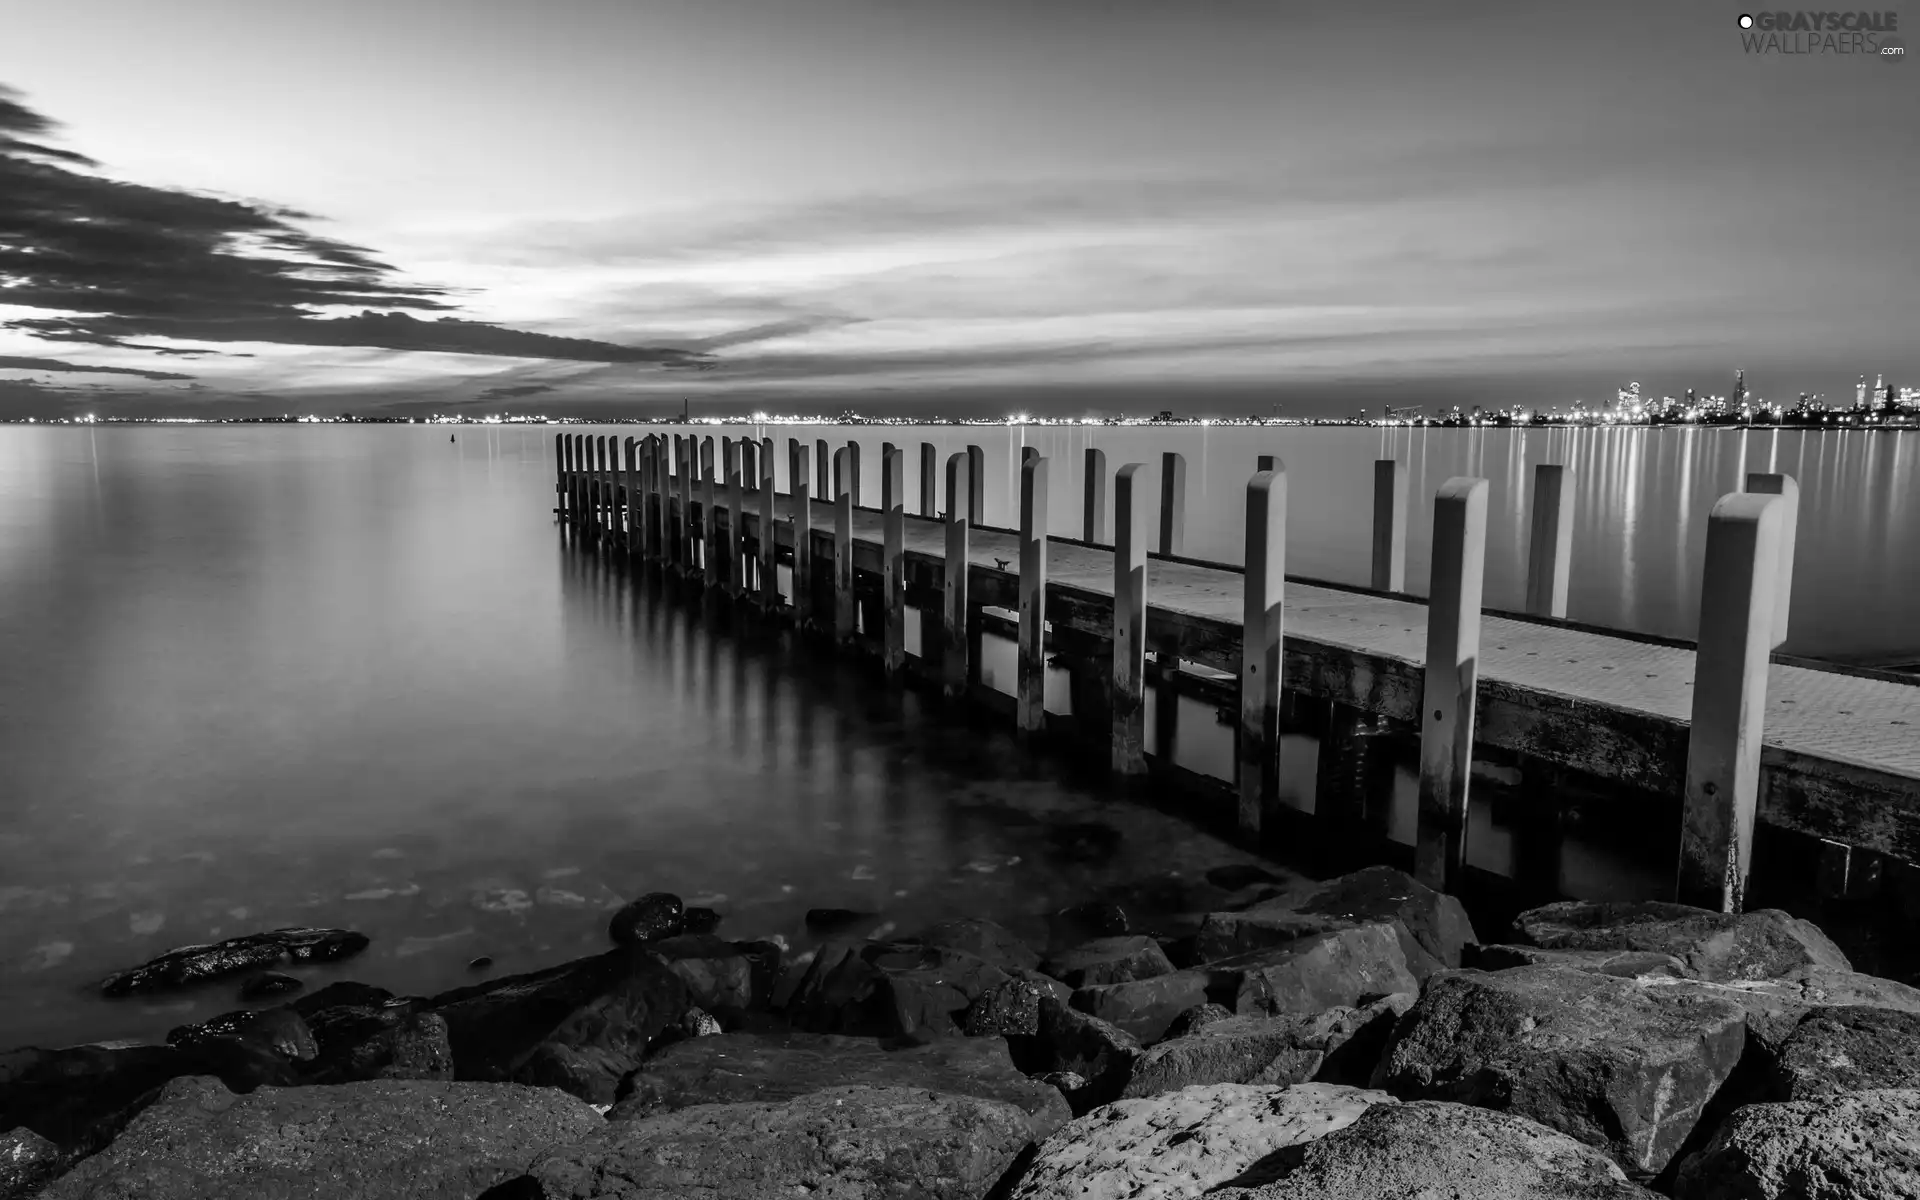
x,y
257,676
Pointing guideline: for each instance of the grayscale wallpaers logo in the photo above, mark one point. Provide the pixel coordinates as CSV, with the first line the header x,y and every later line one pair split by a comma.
x,y
1872,34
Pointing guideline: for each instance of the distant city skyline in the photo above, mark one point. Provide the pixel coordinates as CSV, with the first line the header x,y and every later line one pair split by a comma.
x,y
824,204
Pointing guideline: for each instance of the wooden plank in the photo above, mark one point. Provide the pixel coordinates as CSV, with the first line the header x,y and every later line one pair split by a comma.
x,y
1550,550
1173,503
1031,670
1448,691
1263,623
1132,519
893,467
1785,487
1389,525
1738,587
955,639
844,629
1094,500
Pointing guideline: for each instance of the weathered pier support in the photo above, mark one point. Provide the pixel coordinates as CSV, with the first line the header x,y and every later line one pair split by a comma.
x,y
733,574
845,627
1094,502
689,532
1739,589
769,539
823,461
1132,519
635,504
1030,685
802,533
710,553
929,480
955,615
893,561
1389,525
1550,549
1263,622
1173,503
1452,672
1785,487
976,485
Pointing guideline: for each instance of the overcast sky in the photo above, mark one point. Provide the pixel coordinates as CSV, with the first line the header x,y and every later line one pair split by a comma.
x,y
603,206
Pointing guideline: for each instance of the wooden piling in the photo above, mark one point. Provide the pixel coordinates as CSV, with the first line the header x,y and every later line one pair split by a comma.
x,y
1093,523
824,459
710,554
635,505
735,565
1389,525
844,628
853,472
1452,670
1785,487
1030,687
802,532
769,543
953,626
1132,518
1173,502
893,560
560,474
976,485
1550,551
689,532
1263,620
1738,589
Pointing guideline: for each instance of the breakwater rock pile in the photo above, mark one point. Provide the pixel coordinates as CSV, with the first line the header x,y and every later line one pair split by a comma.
x,y
1348,1040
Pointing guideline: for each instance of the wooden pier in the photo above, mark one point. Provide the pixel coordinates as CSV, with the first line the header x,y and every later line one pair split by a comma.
x,y
1724,727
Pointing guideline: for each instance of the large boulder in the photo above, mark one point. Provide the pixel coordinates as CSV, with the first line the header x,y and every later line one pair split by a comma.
x,y
984,940
736,1068
27,1162
1146,1008
1109,960
1350,966
1862,1146
845,1141
1429,1151
653,916
1616,1063
579,1026
1340,1045
1186,1142
1854,1049
1766,944
1070,1042
1011,1009
193,964
889,989
1775,1007
386,1140
1433,926
717,973
1628,964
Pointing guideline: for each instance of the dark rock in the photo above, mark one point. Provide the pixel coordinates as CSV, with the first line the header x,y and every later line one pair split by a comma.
x,y
1236,876
192,964
520,1187
358,1041
764,961
416,1048
1855,1049
269,983
701,920
1279,1051
735,1068
850,1141
1067,1082
1012,1009
27,1161
345,993
1433,927
1620,1064
935,995
1069,1040
1860,1146
889,989
1352,966
1109,960
1145,1008
716,973
1048,985
698,1023
1775,1007
1083,841
1197,1018
1183,951
281,1031
1079,922
1716,946
984,940
480,964
822,922
373,1141
654,915
1395,1151
1627,964
579,1026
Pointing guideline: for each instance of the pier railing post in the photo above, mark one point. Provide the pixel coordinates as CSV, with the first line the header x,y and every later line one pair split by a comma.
x,y
1031,680
893,469
1550,551
1173,502
929,480
954,615
1094,520
709,515
1132,520
1263,621
735,566
1738,588
844,630
1389,525
853,472
976,485
1788,490
823,455
1452,671
802,501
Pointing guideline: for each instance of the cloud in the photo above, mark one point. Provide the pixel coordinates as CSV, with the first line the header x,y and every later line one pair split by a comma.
x,y
15,362
515,391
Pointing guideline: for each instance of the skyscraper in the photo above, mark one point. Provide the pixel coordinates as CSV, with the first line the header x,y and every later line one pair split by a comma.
x,y
1739,388
1860,393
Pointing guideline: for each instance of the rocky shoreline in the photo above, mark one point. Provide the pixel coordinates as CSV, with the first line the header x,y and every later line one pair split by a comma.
x,y
1348,1040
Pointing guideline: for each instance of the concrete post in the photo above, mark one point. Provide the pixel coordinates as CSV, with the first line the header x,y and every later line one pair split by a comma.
x,y
976,485
1447,699
709,514
1132,521
929,480
769,531
1263,621
844,630
956,670
732,575
1550,554
1031,679
1094,520
802,502
1389,525
1788,490
1173,503
893,559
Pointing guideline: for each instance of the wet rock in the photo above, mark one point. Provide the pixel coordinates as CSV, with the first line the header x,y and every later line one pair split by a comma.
x,y
1853,1147
1716,946
935,995
1620,1064
1234,877
481,963
520,1187
1011,1009
716,973
27,1161
984,940
579,1026
844,1141
281,1031
192,964
889,989
269,983
1433,927
417,1047
1080,922
1185,1143
1067,1082
1069,1040
374,1141
1048,985
824,922
1109,960
1083,841
1404,1151
366,1033
1183,951
1197,1018
1775,1007
1835,1051
735,1068
701,920
1341,1045
1350,967
699,1023
1145,1008
654,915
1627,964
